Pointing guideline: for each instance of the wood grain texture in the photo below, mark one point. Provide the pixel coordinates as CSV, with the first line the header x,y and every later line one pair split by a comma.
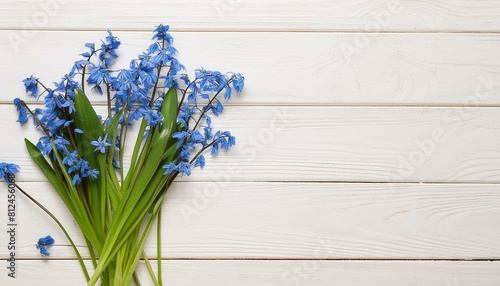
x,y
296,68
299,221
278,15
374,144
267,273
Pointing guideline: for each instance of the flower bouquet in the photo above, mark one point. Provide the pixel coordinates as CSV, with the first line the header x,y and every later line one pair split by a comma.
x,y
116,197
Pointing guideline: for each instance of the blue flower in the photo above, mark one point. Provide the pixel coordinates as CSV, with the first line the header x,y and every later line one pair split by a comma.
x,y
44,145
70,158
82,167
196,137
107,53
227,140
227,93
77,180
91,47
218,108
207,134
162,35
43,243
101,144
152,117
61,143
112,42
61,102
164,56
92,173
23,115
170,168
185,114
97,75
184,168
185,154
181,136
31,85
200,161
215,149
7,170
238,82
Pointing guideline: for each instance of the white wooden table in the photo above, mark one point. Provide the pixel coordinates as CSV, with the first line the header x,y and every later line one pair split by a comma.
x,y
368,140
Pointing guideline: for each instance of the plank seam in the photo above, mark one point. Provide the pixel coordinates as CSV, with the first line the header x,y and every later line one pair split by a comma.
x,y
288,259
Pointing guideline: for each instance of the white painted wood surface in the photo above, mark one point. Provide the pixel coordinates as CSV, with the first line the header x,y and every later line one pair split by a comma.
x,y
257,15
211,220
287,272
310,68
365,132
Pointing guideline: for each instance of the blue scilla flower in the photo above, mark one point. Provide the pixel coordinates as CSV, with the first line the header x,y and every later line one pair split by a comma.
x,y
81,169
61,143
200,162
23,115
21,110
112,42
197,137
229,140
160,33
44,145
42,244
70,158
185,154
215,149
238,82
91,47
77,180
31,85
91,173
164,55
184,168
169,168
107,53
150,115
101,144
217,108
8,169
97,75
181,136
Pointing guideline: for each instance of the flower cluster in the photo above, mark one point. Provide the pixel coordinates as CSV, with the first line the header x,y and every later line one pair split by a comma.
x,y
82,154
133,94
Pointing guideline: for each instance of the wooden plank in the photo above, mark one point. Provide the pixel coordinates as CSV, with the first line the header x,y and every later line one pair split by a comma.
x,y
321,68
367,144
223,15
297,221
301,272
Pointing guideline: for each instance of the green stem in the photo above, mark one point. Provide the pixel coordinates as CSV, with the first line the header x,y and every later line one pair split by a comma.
x,y
158,246
150,270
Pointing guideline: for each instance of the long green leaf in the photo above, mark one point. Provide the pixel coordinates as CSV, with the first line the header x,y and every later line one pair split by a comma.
x,y
86,119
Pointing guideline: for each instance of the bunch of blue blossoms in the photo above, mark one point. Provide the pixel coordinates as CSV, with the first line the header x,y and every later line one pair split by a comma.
x,y
82,153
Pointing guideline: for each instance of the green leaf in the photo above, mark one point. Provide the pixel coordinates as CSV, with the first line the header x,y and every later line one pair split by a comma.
x,y
39,159
86,119
169,112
